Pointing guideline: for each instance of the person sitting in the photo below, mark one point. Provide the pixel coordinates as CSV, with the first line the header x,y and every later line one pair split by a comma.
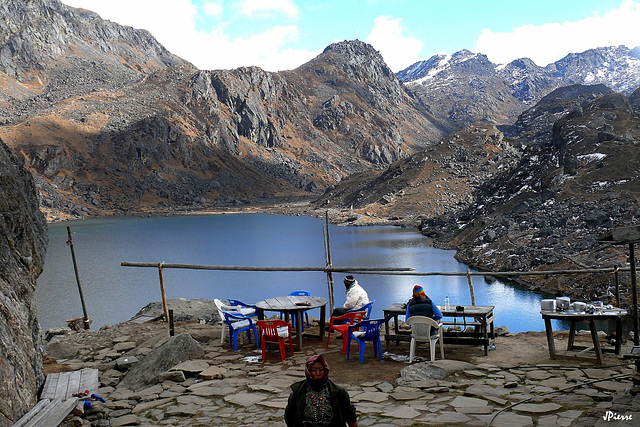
x,y
318,401
356,297
421,305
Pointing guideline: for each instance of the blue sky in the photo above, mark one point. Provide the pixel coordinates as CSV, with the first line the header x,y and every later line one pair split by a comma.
x,y
283,34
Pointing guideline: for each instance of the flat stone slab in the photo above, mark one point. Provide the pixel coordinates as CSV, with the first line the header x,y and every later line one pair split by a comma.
x,y
191,366
212,372
245,399
611,386
445,418
463,401
371,396
277,404
507,419
406,395
403,413
537,408
538,375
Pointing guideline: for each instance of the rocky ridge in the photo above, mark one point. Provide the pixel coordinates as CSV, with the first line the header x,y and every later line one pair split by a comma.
x,y
468,88
111,123
536,197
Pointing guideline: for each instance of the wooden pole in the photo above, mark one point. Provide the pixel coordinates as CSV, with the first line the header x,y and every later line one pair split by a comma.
x,y
616,277
164,295
75,269
473,294
327,251
379,270
634,293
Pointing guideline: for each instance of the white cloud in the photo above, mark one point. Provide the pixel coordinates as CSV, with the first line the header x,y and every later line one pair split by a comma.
x,y
398,51
213,8
550,42
173,24
252,7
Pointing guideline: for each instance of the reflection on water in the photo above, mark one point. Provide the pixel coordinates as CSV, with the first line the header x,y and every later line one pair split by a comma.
x,y
114,293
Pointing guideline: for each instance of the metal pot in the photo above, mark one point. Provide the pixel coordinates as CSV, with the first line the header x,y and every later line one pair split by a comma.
x,y
579,306
562,303
548,305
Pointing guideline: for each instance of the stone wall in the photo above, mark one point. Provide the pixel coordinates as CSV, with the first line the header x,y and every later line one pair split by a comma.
x,y
23,242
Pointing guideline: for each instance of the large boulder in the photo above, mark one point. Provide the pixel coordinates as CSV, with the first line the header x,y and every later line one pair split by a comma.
x,y
23,242
177,349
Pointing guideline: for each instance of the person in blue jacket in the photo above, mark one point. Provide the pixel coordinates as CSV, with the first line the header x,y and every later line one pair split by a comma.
x,y
421,305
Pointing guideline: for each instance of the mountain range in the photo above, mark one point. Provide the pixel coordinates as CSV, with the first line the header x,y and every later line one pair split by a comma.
x,y
491,160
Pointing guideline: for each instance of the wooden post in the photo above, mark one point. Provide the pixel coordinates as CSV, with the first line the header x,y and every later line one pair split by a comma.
x,y
75,269
473,295
327,252
634,293
616,278
164,295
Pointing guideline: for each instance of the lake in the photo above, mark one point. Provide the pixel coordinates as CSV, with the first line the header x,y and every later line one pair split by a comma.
x,y
114,293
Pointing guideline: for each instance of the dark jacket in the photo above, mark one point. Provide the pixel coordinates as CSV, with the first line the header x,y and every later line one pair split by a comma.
x,y
343,410
420,307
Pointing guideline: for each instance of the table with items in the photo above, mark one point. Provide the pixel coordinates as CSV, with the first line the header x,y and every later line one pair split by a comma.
x,y
292,305
481,317
589,316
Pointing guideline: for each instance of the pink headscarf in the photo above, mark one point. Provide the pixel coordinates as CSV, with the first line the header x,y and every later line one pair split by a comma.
x,y
316,384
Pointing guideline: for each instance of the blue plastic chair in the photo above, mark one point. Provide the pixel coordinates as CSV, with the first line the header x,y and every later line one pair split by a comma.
x,y
239,323
240,303
370,332
306,315
367,307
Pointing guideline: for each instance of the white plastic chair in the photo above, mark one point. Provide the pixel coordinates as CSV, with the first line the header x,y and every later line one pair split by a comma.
x,y
221,306
421,332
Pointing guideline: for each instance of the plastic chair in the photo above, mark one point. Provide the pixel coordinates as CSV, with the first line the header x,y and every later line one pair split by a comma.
x,y
238,323
222,307
341,324
370,332
367,308
237,302
421,332
275,330
306,315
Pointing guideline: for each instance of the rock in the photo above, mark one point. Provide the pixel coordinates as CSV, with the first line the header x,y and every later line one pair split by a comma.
x,y
176,350
176,376
23,243
61,350
125,362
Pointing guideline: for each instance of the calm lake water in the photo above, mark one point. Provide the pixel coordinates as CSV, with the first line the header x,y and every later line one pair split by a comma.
x,y
114,293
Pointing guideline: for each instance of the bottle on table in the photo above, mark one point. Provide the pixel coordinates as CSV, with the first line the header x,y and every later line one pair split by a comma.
x,y
446,303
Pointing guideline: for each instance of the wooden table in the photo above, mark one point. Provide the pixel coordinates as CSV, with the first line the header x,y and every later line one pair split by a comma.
x,y
295,305
480,317
582,317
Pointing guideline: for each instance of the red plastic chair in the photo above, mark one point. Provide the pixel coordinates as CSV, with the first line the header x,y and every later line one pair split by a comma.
x,y
341,324
275,330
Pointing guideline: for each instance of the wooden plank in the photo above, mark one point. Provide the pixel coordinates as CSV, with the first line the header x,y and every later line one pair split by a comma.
x,y
88,380
62,385
53,413
22,422
60,412
49,389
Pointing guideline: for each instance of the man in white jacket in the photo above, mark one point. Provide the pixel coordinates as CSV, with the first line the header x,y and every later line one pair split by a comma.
x,y
356,297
